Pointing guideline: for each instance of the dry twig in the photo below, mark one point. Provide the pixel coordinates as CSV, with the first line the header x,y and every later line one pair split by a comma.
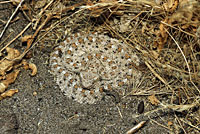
x,y
19,5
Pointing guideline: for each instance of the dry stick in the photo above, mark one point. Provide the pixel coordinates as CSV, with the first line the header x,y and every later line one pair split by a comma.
x,y
82,8
190,124
184,59
165,106
5,2
143,51
180,124
6,38
37,31
136,128
40,14
119,112
49,16
169,67
54,25
145,93
178,29
138,24
160,124
149,112
11,18
104,4
157,75
16,37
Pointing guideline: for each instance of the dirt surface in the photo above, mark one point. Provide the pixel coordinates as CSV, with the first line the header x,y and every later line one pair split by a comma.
x,y
51,112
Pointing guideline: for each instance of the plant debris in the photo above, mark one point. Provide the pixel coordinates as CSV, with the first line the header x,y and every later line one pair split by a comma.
x,y
10,78
7,63
136,128
8,93
9,70
33,67
153,100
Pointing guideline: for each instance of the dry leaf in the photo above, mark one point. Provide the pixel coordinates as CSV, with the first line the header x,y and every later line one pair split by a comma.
x,y
161,36
9,62
12,53
171,5
33,67
11,77
26,38
186,15
6,64
153,100
8,93
3,87
169,123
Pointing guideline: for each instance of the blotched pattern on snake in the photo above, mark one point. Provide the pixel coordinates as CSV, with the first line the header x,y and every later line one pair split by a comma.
x,y
85,65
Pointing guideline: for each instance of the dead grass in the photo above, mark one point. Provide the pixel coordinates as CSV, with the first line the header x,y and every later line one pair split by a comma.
x,y
165,34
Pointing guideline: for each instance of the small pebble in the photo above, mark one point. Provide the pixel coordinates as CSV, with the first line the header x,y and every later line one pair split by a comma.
x,y
141,107
34,93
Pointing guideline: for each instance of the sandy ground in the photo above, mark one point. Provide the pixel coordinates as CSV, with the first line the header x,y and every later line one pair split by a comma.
x,y
53,113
